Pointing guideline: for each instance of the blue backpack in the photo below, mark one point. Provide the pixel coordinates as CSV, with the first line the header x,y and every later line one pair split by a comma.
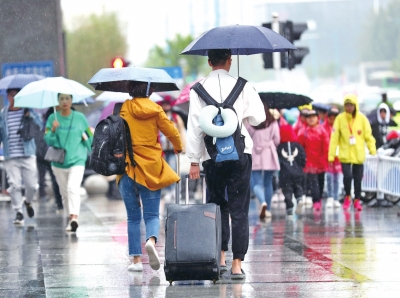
x,y
232,147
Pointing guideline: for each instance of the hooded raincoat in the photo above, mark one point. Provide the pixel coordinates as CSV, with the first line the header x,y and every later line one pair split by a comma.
x,y
380,127
346,126
145,118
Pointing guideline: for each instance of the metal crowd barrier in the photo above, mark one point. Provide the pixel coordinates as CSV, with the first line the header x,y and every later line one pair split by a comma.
x,y
382,175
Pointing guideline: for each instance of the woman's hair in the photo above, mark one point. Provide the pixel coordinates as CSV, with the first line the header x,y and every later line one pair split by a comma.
x,y
268,120
138,89
58,95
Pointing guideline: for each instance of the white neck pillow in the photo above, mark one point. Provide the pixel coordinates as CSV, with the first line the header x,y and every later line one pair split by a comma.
x,y
207,116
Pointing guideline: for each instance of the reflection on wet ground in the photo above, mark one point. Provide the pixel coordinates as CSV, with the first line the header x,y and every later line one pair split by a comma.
x,y
327,254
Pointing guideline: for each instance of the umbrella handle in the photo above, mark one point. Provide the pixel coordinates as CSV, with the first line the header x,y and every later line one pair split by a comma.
x,y
238,62
55,112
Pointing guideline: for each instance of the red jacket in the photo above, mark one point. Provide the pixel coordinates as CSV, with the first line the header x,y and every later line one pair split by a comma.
x,y
315,142
336,166
299,125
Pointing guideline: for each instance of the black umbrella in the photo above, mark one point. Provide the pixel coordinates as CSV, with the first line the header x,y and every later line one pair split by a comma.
x,y
278,100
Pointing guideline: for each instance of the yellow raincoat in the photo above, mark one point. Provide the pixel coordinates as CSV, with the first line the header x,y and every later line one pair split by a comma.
x,y
145,118
346,126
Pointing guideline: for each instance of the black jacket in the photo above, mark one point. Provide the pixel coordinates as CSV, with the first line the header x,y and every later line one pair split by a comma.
x,y
380,131
292,159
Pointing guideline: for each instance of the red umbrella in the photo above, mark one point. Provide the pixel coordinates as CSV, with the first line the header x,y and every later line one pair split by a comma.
x,y
185,94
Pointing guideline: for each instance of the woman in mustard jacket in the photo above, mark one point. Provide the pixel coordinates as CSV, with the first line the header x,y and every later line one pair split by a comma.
x,y
351,131
152,173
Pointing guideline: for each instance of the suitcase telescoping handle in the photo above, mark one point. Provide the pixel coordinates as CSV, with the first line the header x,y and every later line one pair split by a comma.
x,y
178,171
204,188
177,188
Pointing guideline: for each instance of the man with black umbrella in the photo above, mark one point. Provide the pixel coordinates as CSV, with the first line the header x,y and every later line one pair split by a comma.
x,y
233,176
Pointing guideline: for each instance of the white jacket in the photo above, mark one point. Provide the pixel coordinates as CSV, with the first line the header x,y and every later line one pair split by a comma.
x,y
248,106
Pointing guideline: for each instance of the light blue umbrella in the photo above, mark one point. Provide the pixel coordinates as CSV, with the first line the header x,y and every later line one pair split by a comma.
x,y
117,79
17,81
43,94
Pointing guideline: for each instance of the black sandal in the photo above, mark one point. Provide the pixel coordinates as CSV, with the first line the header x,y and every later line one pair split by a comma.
x,y
238,275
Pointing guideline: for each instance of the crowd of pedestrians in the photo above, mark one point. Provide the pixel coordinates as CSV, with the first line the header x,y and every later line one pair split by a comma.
x,y
308,157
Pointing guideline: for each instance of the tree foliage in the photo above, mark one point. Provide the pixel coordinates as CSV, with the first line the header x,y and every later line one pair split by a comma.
x,y
381,38
170,56
92,45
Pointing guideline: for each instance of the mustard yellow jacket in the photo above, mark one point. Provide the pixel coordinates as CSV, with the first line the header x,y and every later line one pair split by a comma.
x,y
145,118
346,126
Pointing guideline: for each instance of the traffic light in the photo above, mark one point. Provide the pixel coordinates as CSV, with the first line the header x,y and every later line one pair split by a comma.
x,y
291,31
119,62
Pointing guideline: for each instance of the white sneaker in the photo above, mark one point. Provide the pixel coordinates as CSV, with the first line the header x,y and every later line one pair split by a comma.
x,y
329,203
153,256
309,202
337,204
138,267
299,207
268,214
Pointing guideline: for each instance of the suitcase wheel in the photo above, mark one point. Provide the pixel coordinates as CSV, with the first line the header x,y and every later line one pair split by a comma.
x,y
214,281
170,282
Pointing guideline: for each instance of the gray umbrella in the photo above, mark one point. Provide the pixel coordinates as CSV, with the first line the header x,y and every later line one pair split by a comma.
x,y
116,79
18,81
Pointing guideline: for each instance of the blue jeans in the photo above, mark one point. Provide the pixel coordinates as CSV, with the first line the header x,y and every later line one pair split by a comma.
x,y
262,186
333,185
151,211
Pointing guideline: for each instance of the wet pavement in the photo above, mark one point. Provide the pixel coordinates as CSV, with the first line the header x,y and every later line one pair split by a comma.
x,y
330,254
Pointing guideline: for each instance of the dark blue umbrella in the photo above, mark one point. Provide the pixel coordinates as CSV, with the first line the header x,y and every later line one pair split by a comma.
x,y
18,81
321,106
241,39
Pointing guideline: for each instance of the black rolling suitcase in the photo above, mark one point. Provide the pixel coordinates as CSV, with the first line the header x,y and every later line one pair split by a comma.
x,y
192,240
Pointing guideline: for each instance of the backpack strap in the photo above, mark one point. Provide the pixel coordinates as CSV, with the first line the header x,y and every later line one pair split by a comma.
x,y
201,91
230,100
117,108
116,111
237,89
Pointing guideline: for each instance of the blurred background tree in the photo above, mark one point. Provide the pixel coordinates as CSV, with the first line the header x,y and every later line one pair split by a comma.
x,y
381,38
92,44
169,55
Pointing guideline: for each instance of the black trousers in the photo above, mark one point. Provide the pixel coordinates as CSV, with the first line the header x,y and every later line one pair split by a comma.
x,y
234,178
352,172
321,183
312,187
44,166
291,186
